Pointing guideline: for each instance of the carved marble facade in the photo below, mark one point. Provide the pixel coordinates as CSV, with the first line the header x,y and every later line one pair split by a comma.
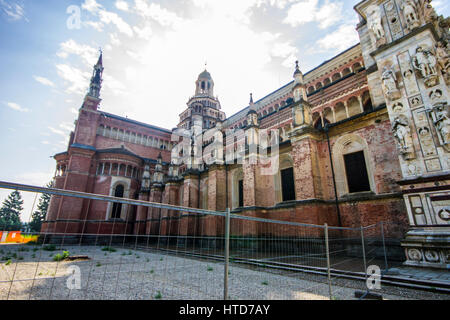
x,y
412,66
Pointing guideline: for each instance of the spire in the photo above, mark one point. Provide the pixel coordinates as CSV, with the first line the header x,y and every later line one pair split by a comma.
x,y
251,98
297,70
97,78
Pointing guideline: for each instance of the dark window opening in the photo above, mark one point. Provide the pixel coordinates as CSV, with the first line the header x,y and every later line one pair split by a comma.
x,y
357,177
368,106
117,207
241,193
287,183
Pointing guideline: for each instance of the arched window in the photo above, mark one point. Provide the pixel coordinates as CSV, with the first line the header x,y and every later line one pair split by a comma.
x,y
327,81
238,189
284,180
336,77
352,164
117,207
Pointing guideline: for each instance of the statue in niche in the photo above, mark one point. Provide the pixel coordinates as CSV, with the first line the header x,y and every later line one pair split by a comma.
x,y
410,13
441,121
390,83
428,11
146,178
425,61
402,134
443,60
375,25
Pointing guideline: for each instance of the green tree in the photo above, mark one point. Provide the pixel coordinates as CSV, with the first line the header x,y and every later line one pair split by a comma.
x,y
10,212
41,213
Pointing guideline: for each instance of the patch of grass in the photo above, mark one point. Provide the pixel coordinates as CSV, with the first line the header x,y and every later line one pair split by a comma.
x,y
158,296
33,255
49,247
147,260
162,259
50,255
265,283
58,257
7,263
98,264
65,254
109,249
40,274
14,255
138,257
130,253
152,271
210,269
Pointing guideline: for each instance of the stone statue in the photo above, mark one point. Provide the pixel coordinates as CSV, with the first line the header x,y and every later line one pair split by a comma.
x,y
410,13
402,134
442,122
375,25
390,83
146,178
425,61
429,14
443,59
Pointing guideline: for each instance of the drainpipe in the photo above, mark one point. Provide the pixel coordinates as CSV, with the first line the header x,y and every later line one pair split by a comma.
x,y
326,129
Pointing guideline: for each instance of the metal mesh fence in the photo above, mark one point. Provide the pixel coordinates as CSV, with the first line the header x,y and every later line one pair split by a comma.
x,y
183,253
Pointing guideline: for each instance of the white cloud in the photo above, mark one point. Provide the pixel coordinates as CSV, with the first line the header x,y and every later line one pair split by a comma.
x,y
16,107
77,80
154,11
341,39
309,10
111,17
58,131
88,54
91,6
122,5
13,10
44,81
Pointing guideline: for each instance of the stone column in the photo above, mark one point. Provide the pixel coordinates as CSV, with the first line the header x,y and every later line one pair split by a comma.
x,y
154,214
141,214
188,221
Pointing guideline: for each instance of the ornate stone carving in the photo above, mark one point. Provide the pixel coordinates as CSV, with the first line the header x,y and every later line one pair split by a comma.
x,y
389,81
375,25
443,60
440,115
431,256
425,61
414,254
429,14
145,185
402,134
410,13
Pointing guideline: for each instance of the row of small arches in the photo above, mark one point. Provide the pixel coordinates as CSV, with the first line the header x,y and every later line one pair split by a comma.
x,y
335,77
117,169
137,138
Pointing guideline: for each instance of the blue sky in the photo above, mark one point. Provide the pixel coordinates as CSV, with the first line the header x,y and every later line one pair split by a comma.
x,y
153,53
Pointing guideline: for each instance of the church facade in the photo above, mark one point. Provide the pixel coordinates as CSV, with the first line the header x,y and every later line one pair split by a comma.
x,y
361,139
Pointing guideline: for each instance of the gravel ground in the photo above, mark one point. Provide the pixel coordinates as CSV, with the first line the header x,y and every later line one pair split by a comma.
x,y
133,274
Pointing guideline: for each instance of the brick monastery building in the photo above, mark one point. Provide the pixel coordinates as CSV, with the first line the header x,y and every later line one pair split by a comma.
x,y
379,110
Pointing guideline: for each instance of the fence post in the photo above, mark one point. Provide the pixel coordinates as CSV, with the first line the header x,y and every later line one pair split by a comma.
x,y
327,248
364,251
384,248
226,254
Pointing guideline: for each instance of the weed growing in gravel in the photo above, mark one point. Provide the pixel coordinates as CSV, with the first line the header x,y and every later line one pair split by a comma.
x,y
158,296
210,269
98,264
265,283
8,262
109,249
